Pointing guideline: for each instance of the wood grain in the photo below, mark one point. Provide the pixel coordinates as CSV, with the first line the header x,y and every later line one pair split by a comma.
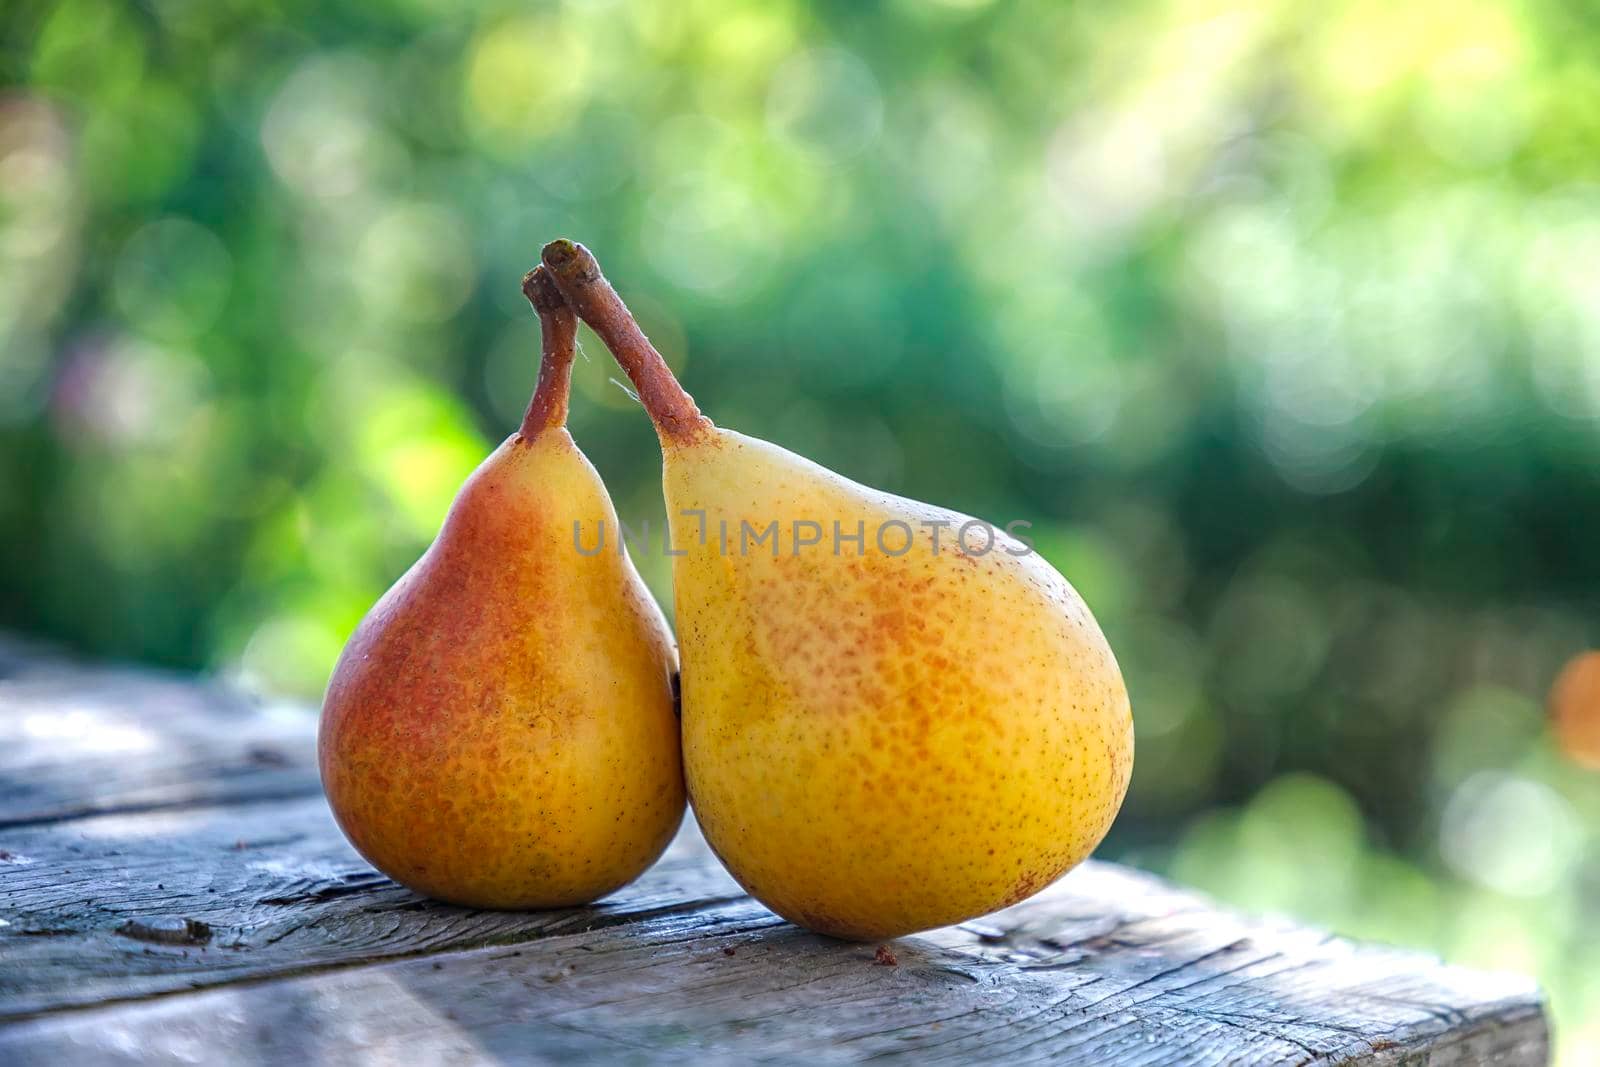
x,y
1107,967
77,740
121,906
173,888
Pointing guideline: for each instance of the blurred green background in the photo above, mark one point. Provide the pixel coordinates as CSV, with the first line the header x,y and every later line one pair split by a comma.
x,y
1281,322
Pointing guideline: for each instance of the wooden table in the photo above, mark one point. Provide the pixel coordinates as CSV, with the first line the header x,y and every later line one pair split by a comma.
x,y
172,887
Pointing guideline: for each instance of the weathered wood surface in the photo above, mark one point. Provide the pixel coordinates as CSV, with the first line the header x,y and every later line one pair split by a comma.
x,y
1107,967
119,906
78,740
128,936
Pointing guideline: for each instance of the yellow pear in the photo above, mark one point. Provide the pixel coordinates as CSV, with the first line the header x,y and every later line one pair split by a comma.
x,y
894,717
500,730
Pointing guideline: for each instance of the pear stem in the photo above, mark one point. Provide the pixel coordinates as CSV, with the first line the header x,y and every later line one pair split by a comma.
x,y
558,336
575,271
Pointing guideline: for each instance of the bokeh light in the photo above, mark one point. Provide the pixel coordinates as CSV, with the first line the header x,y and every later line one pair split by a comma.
x,y
1575,709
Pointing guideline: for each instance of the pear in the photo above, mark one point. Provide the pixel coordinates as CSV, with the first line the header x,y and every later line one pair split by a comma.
x,y
894,717
500,731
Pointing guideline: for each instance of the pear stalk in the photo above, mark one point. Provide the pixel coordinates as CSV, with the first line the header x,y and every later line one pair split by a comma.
x,y
558,330
577,274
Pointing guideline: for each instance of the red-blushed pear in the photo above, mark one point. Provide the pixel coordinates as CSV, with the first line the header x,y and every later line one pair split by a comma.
x,y
889,724
500,730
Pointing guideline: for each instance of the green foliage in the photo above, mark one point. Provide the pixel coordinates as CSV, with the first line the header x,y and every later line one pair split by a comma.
x,y
1280,322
